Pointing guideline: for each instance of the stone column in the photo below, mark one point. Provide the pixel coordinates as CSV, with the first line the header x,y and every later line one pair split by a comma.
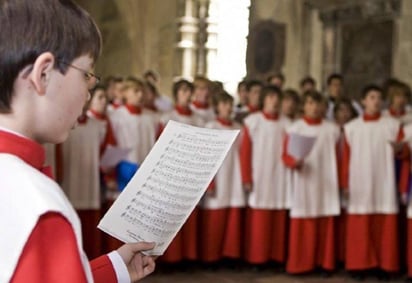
x,y
402,58
211,42
188,29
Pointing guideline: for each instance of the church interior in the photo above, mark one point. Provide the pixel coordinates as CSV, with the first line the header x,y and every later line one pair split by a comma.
x,y
341,49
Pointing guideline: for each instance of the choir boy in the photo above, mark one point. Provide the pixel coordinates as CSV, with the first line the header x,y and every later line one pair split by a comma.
x,y
133,126
264,177
315,192
344,113
114,92
289,107
398,95
48,49
221,214
185,244
371,144
201,99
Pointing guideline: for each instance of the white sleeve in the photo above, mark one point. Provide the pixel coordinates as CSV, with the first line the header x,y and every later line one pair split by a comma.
x,y
120,268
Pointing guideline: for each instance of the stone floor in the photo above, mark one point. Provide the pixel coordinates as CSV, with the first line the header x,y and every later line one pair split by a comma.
x,y
249,276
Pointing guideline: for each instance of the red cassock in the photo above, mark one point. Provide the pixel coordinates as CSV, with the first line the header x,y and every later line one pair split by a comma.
x,y
43,243
315,198
268,203
369,175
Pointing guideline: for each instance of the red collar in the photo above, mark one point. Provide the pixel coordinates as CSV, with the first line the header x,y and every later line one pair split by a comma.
x,y
133,109
395,113
29,151
270,116
225,122
374,117
82,119
97,115
185,111
252,108
312,121
116,104
151,107
200,105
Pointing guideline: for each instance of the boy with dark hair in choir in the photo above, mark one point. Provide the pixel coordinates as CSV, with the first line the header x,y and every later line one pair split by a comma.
x,y
369,179
185,244
201,99
264,177
343,113
254,91
114,92
134,127
223,203
277,80
289,107
315,192
81,178
307,84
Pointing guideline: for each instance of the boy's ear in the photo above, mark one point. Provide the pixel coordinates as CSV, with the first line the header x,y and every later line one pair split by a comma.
x,y
41,72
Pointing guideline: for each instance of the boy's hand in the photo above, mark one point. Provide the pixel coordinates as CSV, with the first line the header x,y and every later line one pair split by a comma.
x,y
112,185
247,187
397,146
138,264
299,164
404,198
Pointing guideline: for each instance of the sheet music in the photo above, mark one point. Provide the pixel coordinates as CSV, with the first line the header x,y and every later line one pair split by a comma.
x,y
168,185
113,155
300,146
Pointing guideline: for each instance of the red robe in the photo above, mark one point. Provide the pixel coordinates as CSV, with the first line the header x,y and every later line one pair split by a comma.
x,y
372,239
311,239
51,250
266,229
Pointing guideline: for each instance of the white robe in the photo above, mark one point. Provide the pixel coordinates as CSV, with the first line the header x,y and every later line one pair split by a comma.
x,y
228,181
40,195
372,181
81,181
135,131
268,171
316,185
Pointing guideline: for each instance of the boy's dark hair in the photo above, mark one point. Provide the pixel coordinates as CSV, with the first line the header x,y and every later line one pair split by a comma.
x,y
152,88
334,76
370,87
179,84
279,76
268,90
240,84
30,28
315,95
221,96
151,73
252,83
347,102
307,80
292,94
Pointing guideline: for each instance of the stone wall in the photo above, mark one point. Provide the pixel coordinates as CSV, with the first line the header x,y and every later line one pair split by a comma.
x,y
137,35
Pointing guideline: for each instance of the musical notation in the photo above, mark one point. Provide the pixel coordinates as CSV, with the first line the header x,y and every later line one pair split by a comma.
x,y
169,184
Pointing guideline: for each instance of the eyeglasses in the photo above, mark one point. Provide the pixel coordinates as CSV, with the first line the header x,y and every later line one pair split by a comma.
x,y
92,79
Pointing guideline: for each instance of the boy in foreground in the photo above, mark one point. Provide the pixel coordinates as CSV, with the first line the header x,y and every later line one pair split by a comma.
x,y
47,50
